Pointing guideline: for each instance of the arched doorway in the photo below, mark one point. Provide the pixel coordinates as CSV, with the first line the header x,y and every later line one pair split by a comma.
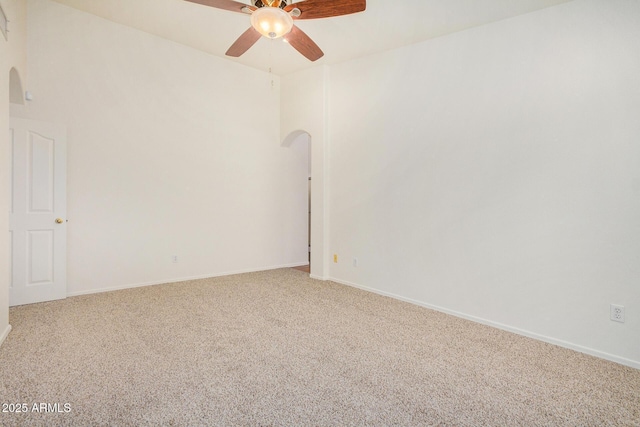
x,y
301,141
16,93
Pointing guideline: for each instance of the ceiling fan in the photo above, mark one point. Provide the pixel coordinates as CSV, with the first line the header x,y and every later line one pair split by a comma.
x,y
274,19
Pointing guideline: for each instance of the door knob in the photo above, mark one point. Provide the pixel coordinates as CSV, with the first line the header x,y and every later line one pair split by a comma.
x,y
59,220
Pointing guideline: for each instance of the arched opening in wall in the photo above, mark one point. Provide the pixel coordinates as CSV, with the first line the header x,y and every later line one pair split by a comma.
x,y
15,88
300,142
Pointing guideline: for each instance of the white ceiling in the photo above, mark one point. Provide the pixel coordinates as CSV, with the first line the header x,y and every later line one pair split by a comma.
x,y
384,25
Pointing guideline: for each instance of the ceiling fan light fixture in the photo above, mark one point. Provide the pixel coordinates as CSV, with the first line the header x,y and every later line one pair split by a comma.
x,y
271,22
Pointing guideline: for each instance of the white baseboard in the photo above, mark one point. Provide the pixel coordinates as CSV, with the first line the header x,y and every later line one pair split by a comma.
x,y
179,279
590,351
5,334
313,276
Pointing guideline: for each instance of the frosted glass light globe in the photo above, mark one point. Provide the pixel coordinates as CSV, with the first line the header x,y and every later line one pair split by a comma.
x,y
271,22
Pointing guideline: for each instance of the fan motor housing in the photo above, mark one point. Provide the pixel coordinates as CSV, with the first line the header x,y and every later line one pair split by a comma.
x,y
259,3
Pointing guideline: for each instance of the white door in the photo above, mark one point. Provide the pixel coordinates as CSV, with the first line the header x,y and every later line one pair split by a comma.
x,y
37,217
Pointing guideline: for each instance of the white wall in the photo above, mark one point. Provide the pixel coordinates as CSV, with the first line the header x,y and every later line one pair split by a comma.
x,y
495,174
171,152
12,55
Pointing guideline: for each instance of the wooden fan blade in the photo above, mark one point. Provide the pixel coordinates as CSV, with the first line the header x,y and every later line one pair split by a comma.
x,y
244,42
312,9
303,44
231,5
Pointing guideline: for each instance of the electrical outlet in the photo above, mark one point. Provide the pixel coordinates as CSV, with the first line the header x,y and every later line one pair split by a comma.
x,y
617,313
335,258
174,258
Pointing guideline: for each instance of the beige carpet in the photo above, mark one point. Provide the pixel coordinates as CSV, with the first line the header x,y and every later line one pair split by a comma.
x,y
276,348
